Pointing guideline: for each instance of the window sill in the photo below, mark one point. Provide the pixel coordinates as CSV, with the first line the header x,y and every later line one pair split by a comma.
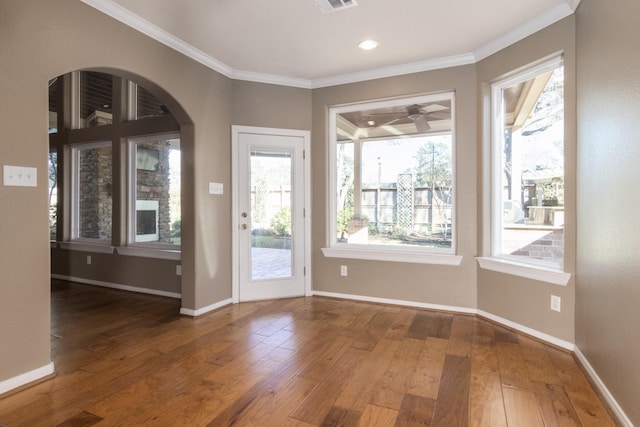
x,y
393,256
173,255
86,247
527,271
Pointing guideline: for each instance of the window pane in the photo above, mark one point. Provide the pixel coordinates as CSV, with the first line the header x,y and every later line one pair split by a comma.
x,y
157,192
532,171
394,175
147,105
55,87
271,225
96,99
94,199
53,194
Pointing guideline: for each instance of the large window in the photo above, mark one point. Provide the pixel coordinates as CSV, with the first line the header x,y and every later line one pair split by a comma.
x,y
392,175
91,192
154,191
123,169
528,166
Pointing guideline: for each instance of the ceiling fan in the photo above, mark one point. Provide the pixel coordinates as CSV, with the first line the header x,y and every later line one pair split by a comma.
x,y
416,113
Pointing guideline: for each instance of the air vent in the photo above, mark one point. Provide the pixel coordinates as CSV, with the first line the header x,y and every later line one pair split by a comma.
x,y
327,6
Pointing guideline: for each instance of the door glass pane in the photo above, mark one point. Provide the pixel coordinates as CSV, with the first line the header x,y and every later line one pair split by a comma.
x,y
271,226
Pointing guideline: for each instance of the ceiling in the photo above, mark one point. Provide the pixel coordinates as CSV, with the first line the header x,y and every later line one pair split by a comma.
x,y
292,42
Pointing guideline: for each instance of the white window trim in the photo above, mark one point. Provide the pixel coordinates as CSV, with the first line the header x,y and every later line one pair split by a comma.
x,y
152,250
518,266
382,252
75,203
87,246
170,254
526,270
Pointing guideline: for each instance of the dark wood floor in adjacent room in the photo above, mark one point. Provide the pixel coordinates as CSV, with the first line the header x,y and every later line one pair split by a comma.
x,y
125,359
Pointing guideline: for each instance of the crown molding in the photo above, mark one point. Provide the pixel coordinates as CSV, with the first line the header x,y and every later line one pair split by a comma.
x,y
119,13
271,79
396,70
523,31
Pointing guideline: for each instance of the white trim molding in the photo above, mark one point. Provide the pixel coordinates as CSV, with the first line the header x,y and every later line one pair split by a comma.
x,y
26,378
120,13
86,247
204,310
528,271
118,286
396,255
171,255
405,303
527,330
604,391
455,309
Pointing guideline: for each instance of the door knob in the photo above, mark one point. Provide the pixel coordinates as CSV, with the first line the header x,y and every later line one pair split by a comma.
x,y
244,214
243,226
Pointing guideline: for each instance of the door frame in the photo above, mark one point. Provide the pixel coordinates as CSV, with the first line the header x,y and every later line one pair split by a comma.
x,y
236,130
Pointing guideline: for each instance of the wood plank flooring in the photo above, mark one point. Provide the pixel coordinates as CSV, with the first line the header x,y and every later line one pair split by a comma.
x,y
125,359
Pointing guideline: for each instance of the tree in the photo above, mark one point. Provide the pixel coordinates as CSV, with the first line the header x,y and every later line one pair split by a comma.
x,y
434,165
434,169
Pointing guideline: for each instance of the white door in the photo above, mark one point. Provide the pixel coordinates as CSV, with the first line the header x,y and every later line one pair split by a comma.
x,y
270,202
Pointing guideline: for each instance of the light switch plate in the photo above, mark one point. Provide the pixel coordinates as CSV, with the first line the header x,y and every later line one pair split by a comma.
x,y
20,176
215,188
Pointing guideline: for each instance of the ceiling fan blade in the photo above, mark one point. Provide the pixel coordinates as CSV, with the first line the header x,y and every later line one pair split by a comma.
x,y
390,122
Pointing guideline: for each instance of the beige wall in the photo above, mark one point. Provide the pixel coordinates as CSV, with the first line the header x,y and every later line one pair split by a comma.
x,y
42,40
519,300
272,106
434,284
607,286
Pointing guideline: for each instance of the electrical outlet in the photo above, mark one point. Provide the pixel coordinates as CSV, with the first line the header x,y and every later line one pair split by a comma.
x,y
343,270
88,259
178,270
555,303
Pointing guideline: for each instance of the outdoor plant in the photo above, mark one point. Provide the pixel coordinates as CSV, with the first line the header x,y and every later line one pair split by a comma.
x,y
281,222
549,197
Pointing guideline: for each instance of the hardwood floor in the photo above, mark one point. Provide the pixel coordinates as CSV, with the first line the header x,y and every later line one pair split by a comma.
x,y
125,359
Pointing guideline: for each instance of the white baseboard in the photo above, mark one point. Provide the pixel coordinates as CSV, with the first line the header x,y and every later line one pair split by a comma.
x,y
604,391
118,286
529,331
465,310
26,378
203,310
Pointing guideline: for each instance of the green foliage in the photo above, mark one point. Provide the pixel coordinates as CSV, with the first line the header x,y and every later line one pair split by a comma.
x,y
343,217
176,228
281,222
549,196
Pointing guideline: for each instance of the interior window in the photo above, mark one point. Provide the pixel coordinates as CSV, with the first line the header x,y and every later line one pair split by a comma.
x,y
528,171
53,193
96,99
393,174
155,190
92,191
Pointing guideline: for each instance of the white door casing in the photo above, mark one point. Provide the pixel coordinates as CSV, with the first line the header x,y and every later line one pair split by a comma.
x,y
265,266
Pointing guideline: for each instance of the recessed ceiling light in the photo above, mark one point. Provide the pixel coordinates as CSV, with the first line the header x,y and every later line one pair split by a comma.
x,y
368,44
